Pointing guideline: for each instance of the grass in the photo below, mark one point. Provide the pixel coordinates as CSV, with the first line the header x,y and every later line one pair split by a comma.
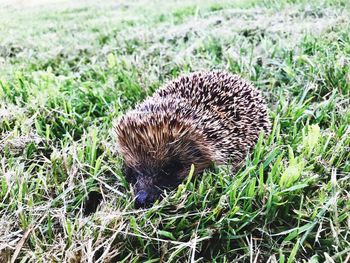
x,y
69,69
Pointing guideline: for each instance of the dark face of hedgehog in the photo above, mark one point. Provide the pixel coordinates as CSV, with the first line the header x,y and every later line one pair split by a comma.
x,y
158,152
149,184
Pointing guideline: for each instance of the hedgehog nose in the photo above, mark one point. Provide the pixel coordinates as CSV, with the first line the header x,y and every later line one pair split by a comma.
x,y
141,198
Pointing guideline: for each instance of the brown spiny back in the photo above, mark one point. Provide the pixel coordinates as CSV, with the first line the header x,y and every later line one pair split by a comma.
x,y
216,115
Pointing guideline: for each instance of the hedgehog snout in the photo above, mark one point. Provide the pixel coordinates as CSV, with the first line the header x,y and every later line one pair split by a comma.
x,y
146,193
144,199
141,198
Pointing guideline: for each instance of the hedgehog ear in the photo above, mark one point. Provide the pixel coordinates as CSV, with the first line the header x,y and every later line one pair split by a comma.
x,y
173,166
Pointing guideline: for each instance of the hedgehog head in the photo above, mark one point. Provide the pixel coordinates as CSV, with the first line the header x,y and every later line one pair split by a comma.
x,y
158,151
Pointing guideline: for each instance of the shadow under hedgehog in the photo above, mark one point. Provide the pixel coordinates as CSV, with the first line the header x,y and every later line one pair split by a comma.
x,y
200,118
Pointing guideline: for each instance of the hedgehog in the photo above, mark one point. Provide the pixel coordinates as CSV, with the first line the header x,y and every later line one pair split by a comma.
x,y
200,119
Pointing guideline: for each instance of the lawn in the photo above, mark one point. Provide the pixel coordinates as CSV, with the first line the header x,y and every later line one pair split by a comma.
x,y
68,69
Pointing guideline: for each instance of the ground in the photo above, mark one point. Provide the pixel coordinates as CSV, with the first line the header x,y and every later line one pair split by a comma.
x,y
69,68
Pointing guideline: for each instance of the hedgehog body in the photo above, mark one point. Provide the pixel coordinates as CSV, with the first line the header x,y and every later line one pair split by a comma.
x,y
199,118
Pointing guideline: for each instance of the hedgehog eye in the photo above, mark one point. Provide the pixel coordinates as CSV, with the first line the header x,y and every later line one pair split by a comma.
x,y
129,174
